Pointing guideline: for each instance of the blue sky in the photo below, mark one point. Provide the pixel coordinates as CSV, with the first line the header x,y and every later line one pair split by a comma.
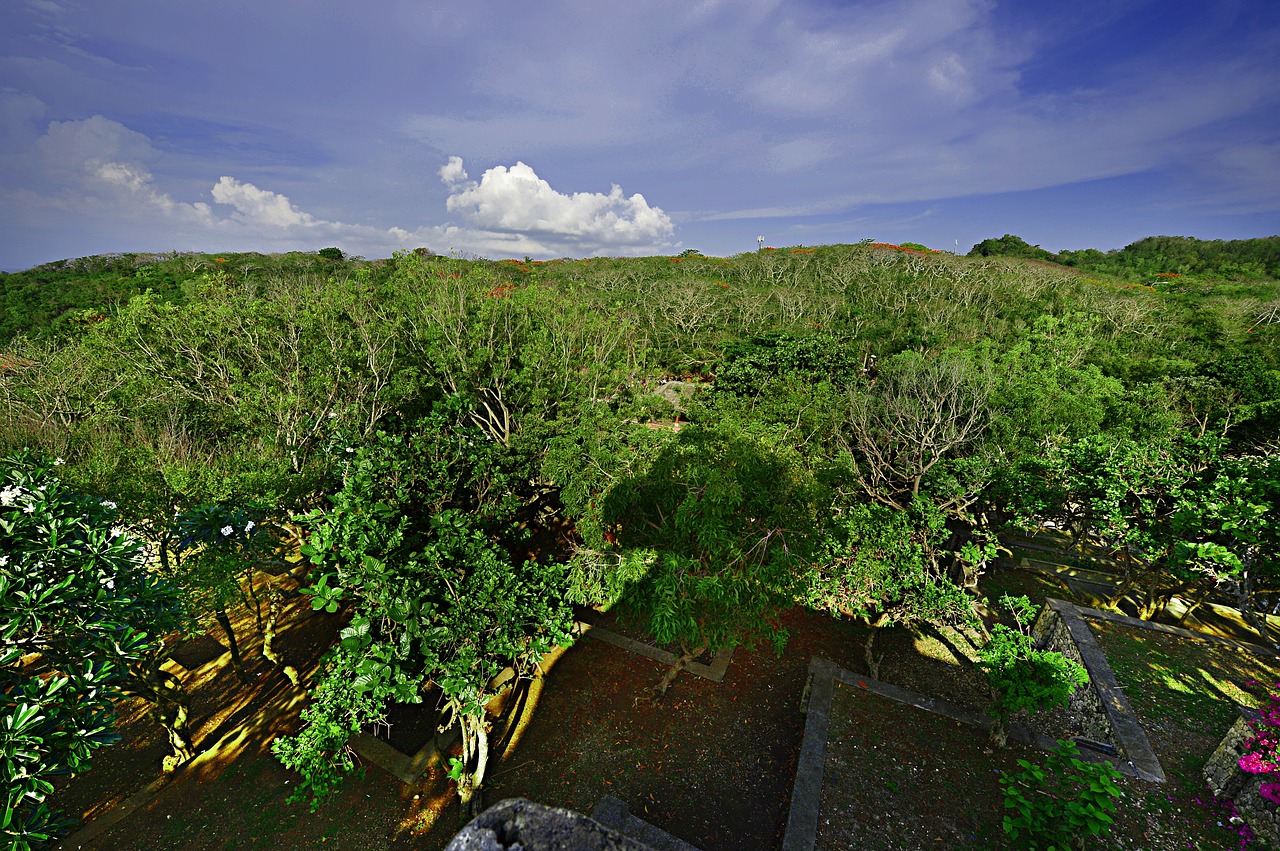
x,y
576,128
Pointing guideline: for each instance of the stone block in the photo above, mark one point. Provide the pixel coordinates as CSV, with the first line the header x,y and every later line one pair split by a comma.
x,y
520,825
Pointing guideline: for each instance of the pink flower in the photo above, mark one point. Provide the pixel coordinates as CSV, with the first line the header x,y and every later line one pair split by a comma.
x,y
1254,764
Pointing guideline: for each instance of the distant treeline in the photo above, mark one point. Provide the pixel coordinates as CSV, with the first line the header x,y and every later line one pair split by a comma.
x,y
55,297
1242,259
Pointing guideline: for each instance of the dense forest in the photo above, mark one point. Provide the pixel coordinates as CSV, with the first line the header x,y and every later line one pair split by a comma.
x,y
1158,256
465,448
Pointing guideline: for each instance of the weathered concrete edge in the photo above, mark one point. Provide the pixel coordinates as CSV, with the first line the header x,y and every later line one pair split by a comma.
x,y
1017,732
714,672
1124,723
806,793
972,717
613,813
1099,614
384,756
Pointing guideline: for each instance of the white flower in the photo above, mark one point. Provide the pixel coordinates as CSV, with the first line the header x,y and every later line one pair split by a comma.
x,y
111,585
58,462
109,504
117,531
248,527
29,509
8,495
349,449
227,530
4,560
41,488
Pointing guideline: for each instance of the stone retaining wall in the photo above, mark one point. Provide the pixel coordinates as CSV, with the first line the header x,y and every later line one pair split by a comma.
x,y
1125,731
1085,704
1228,780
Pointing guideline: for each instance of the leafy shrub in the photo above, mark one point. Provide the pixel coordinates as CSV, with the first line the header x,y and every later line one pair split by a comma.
x,y
79,612
1061,804
1010,246
331,253
1021,677
749,365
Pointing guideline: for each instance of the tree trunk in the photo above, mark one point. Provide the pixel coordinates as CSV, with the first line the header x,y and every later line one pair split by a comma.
x,y
868,650
237,664
274,602
475,759
171,708
1244,596
1193,605
1152,606
660,690
172,712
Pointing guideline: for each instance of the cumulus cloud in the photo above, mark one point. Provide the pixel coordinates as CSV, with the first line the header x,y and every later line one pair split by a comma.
x,y
79,147
135,181
515,201
260,206
99,170
452,172
19,112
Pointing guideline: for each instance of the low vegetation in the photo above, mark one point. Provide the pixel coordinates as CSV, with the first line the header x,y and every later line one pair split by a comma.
x,y
464,448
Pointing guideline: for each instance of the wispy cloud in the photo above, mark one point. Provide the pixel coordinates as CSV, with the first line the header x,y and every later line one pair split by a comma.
x,y
719,112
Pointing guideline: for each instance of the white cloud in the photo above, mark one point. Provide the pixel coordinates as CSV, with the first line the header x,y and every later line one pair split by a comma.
x,y
137,182
517,202
452,172
46,6
100,172
78,147
260,206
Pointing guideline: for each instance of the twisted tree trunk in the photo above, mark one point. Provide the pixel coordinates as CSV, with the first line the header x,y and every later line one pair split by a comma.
x,y
475,759
237,664
660,690
274,603
170,705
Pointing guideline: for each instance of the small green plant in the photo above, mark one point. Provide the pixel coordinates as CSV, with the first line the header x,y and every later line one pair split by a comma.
x,y
1022,677
914,246
1062,804
331,253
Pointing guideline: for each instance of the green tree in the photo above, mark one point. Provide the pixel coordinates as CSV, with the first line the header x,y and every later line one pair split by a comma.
x,y
888,567
81,622
916,428
1022,677
1010,246
1122,494
703,540
411,542
1226,531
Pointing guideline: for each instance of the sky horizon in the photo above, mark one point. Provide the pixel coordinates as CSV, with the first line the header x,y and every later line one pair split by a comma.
x,y
502,129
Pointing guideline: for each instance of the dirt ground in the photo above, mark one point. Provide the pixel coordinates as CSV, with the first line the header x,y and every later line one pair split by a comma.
x,y
711,763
